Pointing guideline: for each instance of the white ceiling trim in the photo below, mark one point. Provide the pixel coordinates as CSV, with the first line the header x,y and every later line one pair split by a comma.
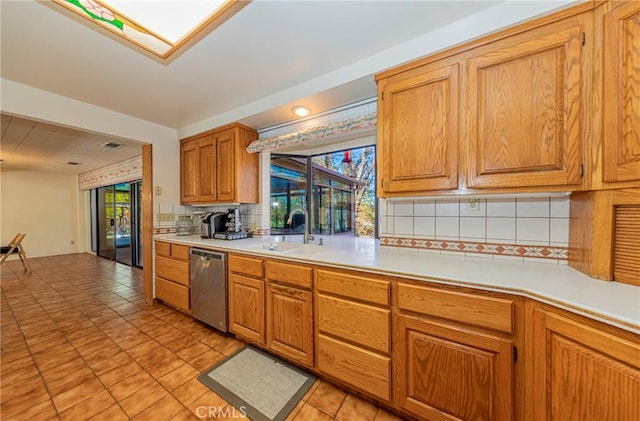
x,y
351,128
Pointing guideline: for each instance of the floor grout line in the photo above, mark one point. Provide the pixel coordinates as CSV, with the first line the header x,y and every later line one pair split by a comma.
x,y
82,292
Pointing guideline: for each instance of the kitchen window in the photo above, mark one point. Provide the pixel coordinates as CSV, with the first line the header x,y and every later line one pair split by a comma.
x,y
337,190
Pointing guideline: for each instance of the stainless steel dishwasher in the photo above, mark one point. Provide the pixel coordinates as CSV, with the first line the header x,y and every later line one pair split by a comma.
x,y
208,271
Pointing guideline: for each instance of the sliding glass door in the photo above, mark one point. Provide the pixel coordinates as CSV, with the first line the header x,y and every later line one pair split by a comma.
x,y
106,222
119,224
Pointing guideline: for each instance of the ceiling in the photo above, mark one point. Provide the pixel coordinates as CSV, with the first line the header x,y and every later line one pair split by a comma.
x,y
304,48
32,145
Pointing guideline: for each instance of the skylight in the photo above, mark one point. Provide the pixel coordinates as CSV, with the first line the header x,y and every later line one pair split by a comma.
x,y
160,27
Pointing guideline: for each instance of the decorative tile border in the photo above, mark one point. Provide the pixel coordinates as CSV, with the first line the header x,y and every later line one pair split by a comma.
x,y
262,232
164,230
518,250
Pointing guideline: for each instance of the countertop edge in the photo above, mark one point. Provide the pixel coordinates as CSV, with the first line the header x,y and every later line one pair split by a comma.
x,y
622,323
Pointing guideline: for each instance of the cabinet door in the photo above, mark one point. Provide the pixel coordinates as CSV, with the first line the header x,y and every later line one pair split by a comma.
x,y
206,170
225,167
525,107
581,373
445,372
418,132
621,148
188,172
289,322
173,294
246,307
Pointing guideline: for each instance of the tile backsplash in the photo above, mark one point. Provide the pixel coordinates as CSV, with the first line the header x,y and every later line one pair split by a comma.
x,y
515,228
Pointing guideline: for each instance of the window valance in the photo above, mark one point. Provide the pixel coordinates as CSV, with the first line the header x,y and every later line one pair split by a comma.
x,y
338,128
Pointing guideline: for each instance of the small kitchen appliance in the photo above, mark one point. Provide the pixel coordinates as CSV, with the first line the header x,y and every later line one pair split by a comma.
x,y
233,220
231,229
210,223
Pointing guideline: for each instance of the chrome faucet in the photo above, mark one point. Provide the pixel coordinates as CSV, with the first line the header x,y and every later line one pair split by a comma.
x,y
307,230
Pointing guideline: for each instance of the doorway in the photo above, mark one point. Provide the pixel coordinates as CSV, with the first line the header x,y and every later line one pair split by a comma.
x,y
118,216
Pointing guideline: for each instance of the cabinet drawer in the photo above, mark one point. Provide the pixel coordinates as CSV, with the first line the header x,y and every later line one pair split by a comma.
x,y
179,251
163,249
173,270
172,293
355,322
358,287
289,274
489,312
362,369
246,265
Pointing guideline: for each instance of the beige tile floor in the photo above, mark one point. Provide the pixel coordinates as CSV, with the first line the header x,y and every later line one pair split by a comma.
x,y
79,342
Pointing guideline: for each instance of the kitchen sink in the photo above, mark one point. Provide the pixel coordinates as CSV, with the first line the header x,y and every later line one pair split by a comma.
x,y
286,247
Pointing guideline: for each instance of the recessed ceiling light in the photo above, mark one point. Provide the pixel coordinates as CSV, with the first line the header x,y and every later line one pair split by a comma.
x,y
300,111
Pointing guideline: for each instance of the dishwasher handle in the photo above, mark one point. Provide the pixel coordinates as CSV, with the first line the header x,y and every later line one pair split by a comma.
x,y
208,254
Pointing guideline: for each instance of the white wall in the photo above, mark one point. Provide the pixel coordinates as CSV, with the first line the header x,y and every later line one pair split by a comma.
x,y
44,205
25,101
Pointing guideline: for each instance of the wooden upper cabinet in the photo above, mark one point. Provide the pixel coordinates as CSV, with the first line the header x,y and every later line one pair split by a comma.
x,y
206,169
621,93
216,167
418,131
225,174
525,108
188,172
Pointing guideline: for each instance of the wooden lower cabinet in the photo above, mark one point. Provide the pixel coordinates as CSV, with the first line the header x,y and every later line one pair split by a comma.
x,y
582,372
173,294
358,367
246,307
353,330
444,372
290,322
172,283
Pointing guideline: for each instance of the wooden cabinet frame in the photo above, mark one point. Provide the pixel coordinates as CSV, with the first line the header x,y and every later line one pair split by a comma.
x,y
415,156
591,229
484,164
290,322
495,160
215,167
172,277
428,331
621,93
479,385
580,371
246,307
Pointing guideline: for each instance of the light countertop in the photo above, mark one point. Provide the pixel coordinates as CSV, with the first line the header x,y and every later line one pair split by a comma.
x,y
611,302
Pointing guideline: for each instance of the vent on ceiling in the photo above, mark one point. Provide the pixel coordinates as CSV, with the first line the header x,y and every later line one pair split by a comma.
x,y
73,163
112,145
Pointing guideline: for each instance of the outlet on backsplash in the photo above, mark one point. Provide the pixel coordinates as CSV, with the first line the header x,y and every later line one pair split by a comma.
x,y
166,217
473,205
